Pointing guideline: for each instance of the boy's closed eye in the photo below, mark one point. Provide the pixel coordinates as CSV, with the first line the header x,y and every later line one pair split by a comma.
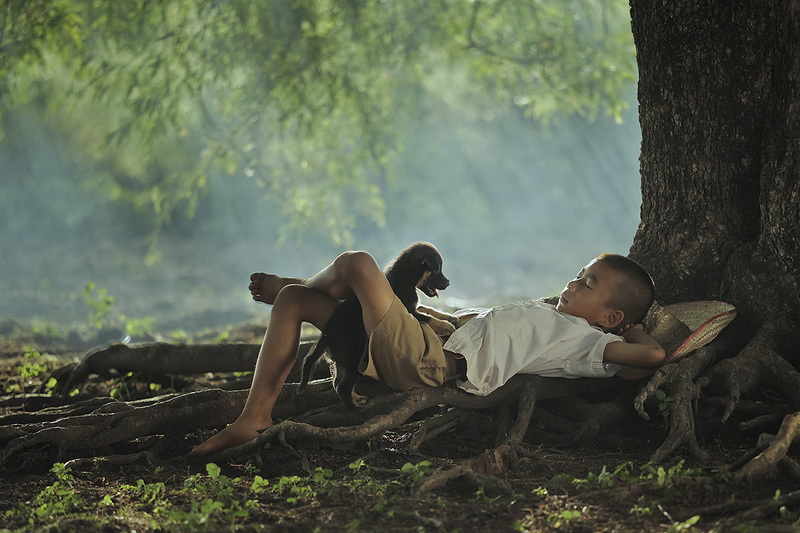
x,y
585,280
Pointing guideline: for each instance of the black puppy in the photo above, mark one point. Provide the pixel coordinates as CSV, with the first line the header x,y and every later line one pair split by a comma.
x,y
417,267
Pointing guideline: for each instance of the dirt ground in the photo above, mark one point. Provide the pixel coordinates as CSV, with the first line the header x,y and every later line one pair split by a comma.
x,y
602,486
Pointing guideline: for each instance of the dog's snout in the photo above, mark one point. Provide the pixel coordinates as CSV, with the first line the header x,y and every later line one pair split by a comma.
x,y
441,281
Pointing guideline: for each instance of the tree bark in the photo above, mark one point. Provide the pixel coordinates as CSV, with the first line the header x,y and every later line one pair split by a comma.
x,y
719,96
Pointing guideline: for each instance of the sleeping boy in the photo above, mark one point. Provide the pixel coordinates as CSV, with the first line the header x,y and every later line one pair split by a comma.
x,y
594,327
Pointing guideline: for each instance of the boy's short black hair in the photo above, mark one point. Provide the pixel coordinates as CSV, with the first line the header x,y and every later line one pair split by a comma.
x,y
635,295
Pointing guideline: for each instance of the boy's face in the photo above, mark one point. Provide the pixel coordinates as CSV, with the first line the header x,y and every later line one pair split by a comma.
x,y
587,296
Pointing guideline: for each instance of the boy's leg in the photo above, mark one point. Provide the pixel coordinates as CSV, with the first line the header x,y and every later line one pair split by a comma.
x,y
357,273
265,287
294,305
350,273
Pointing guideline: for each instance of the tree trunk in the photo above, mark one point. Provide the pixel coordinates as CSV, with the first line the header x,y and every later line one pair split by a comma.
x,y
719,96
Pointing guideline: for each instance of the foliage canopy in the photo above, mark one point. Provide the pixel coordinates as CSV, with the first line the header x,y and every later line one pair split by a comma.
x,y
298,95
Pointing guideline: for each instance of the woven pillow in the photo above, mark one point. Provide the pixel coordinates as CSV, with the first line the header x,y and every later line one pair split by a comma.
x,y
681,329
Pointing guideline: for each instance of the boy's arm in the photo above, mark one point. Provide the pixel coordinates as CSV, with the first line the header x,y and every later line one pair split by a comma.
x,y
639,350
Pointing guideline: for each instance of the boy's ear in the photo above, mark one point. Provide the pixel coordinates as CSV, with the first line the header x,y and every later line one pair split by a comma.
x,y
612,319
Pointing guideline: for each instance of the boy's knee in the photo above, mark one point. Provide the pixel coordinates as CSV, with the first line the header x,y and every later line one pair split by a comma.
x,y
290,295
359,264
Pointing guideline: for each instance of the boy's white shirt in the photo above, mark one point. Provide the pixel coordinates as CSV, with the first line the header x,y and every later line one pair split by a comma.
x,y
528,337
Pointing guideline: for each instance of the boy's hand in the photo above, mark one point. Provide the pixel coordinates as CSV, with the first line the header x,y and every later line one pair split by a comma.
x,y
627,327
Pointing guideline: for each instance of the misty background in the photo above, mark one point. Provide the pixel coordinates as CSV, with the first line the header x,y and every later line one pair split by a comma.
x,y
515,209
516,201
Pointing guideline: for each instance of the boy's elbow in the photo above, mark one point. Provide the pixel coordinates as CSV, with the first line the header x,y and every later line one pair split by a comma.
x,y
657,356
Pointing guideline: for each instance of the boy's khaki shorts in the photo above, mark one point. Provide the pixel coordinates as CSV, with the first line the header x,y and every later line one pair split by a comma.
x,y
404,353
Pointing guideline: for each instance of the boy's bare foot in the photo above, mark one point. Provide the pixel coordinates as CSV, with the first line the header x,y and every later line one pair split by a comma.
x,y
265,287
233,435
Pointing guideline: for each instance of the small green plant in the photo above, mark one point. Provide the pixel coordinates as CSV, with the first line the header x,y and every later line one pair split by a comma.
x,y
787,515
150,495
99,302
137,327
46,329
298,490
56,500
223,337
416,471
481,496
607,479
34,365
259,484
563,518
665,404
220,500
123,387
639,511
295,488
686,525
357,466
663,475
362,486
322,475
180,336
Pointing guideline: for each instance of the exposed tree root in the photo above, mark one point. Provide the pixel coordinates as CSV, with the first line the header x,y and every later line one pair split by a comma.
x,y
432,427
764,414
319,419
414,400
489,484
633,491
59,410
87,463
572,420
494,461
756,366
164,358
116,422
756,510
101,425
765,463
678,379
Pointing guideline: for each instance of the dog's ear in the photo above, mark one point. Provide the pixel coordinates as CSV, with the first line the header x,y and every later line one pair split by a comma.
x,y
432,264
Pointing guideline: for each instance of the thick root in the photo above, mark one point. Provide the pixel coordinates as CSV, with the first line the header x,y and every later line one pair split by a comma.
x,y
166,358
117,422
756,366
765,464
678,379
489,484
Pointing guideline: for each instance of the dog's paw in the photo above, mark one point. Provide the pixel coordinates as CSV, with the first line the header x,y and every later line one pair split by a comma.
x,y
441,327
360,401
463,319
